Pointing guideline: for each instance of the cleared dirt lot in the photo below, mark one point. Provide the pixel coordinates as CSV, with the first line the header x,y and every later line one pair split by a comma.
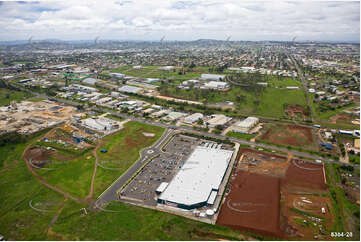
x,y
306,174
289,135
262,162
294,110
252,204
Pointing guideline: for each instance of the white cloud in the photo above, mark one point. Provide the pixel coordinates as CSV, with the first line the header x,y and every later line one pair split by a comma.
x,y
183,20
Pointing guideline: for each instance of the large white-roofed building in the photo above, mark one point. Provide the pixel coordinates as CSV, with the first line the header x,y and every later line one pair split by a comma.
x,y
216,85
212,77
245,125
218,119
193,118
90,81
198,180
129,89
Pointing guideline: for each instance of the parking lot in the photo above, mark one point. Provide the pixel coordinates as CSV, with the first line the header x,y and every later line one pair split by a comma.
x,y
160,169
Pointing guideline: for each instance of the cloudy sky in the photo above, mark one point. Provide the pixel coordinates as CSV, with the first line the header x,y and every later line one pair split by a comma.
x,y
180,20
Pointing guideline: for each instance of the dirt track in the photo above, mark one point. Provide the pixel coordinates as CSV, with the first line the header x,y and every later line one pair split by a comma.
x,y
42,180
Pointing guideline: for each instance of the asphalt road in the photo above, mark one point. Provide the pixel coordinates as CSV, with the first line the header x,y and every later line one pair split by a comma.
x,y
191,130
110,193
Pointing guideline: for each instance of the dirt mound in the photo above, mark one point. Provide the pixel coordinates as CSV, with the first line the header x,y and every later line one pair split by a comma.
x,y
36,153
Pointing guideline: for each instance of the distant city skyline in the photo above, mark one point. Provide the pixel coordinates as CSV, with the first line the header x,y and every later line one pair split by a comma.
x,y
181,20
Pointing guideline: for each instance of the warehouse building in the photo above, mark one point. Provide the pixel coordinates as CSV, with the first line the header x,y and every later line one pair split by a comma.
x,y
199,179
245,125
218,119
130,89
90,81
117,75
172,116
212,77
193,118
216,85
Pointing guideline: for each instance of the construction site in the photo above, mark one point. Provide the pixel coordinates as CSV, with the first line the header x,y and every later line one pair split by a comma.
x,y
58,146
29,117
286,197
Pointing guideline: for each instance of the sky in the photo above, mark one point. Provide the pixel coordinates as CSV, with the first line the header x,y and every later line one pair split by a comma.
x,y
180,20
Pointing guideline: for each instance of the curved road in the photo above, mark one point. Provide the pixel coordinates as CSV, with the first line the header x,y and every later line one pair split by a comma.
x,y
110,193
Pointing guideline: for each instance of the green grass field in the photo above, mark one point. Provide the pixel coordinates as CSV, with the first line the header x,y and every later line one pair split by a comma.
x,y
325,116
20,222
123,149
269,104
134,223
6,96
239,135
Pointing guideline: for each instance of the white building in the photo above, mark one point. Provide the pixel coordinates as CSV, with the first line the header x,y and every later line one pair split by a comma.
x,y
216,85
99,124
129,89
90,81
212,77
198,179
193,118
166,68
77,87
218,119
245,125
173,116
117,75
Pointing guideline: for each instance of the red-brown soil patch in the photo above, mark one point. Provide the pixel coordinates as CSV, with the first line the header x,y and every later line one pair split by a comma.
x,y
252,204
306,174
293,110
289,135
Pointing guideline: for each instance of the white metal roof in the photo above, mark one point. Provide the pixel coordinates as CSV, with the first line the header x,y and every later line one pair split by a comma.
x,y
212,197
129,89
201,173
193,118
162,187
248,122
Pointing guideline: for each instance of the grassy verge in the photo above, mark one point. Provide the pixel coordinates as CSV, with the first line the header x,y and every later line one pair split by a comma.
x,y
240,136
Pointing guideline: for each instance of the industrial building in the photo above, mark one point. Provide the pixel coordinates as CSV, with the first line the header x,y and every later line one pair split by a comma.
x,y
100,124
193,118
212,77
129,89
173,116
81,88
90,81
216,85
166,68
245,125
198,181
117,75
218,119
